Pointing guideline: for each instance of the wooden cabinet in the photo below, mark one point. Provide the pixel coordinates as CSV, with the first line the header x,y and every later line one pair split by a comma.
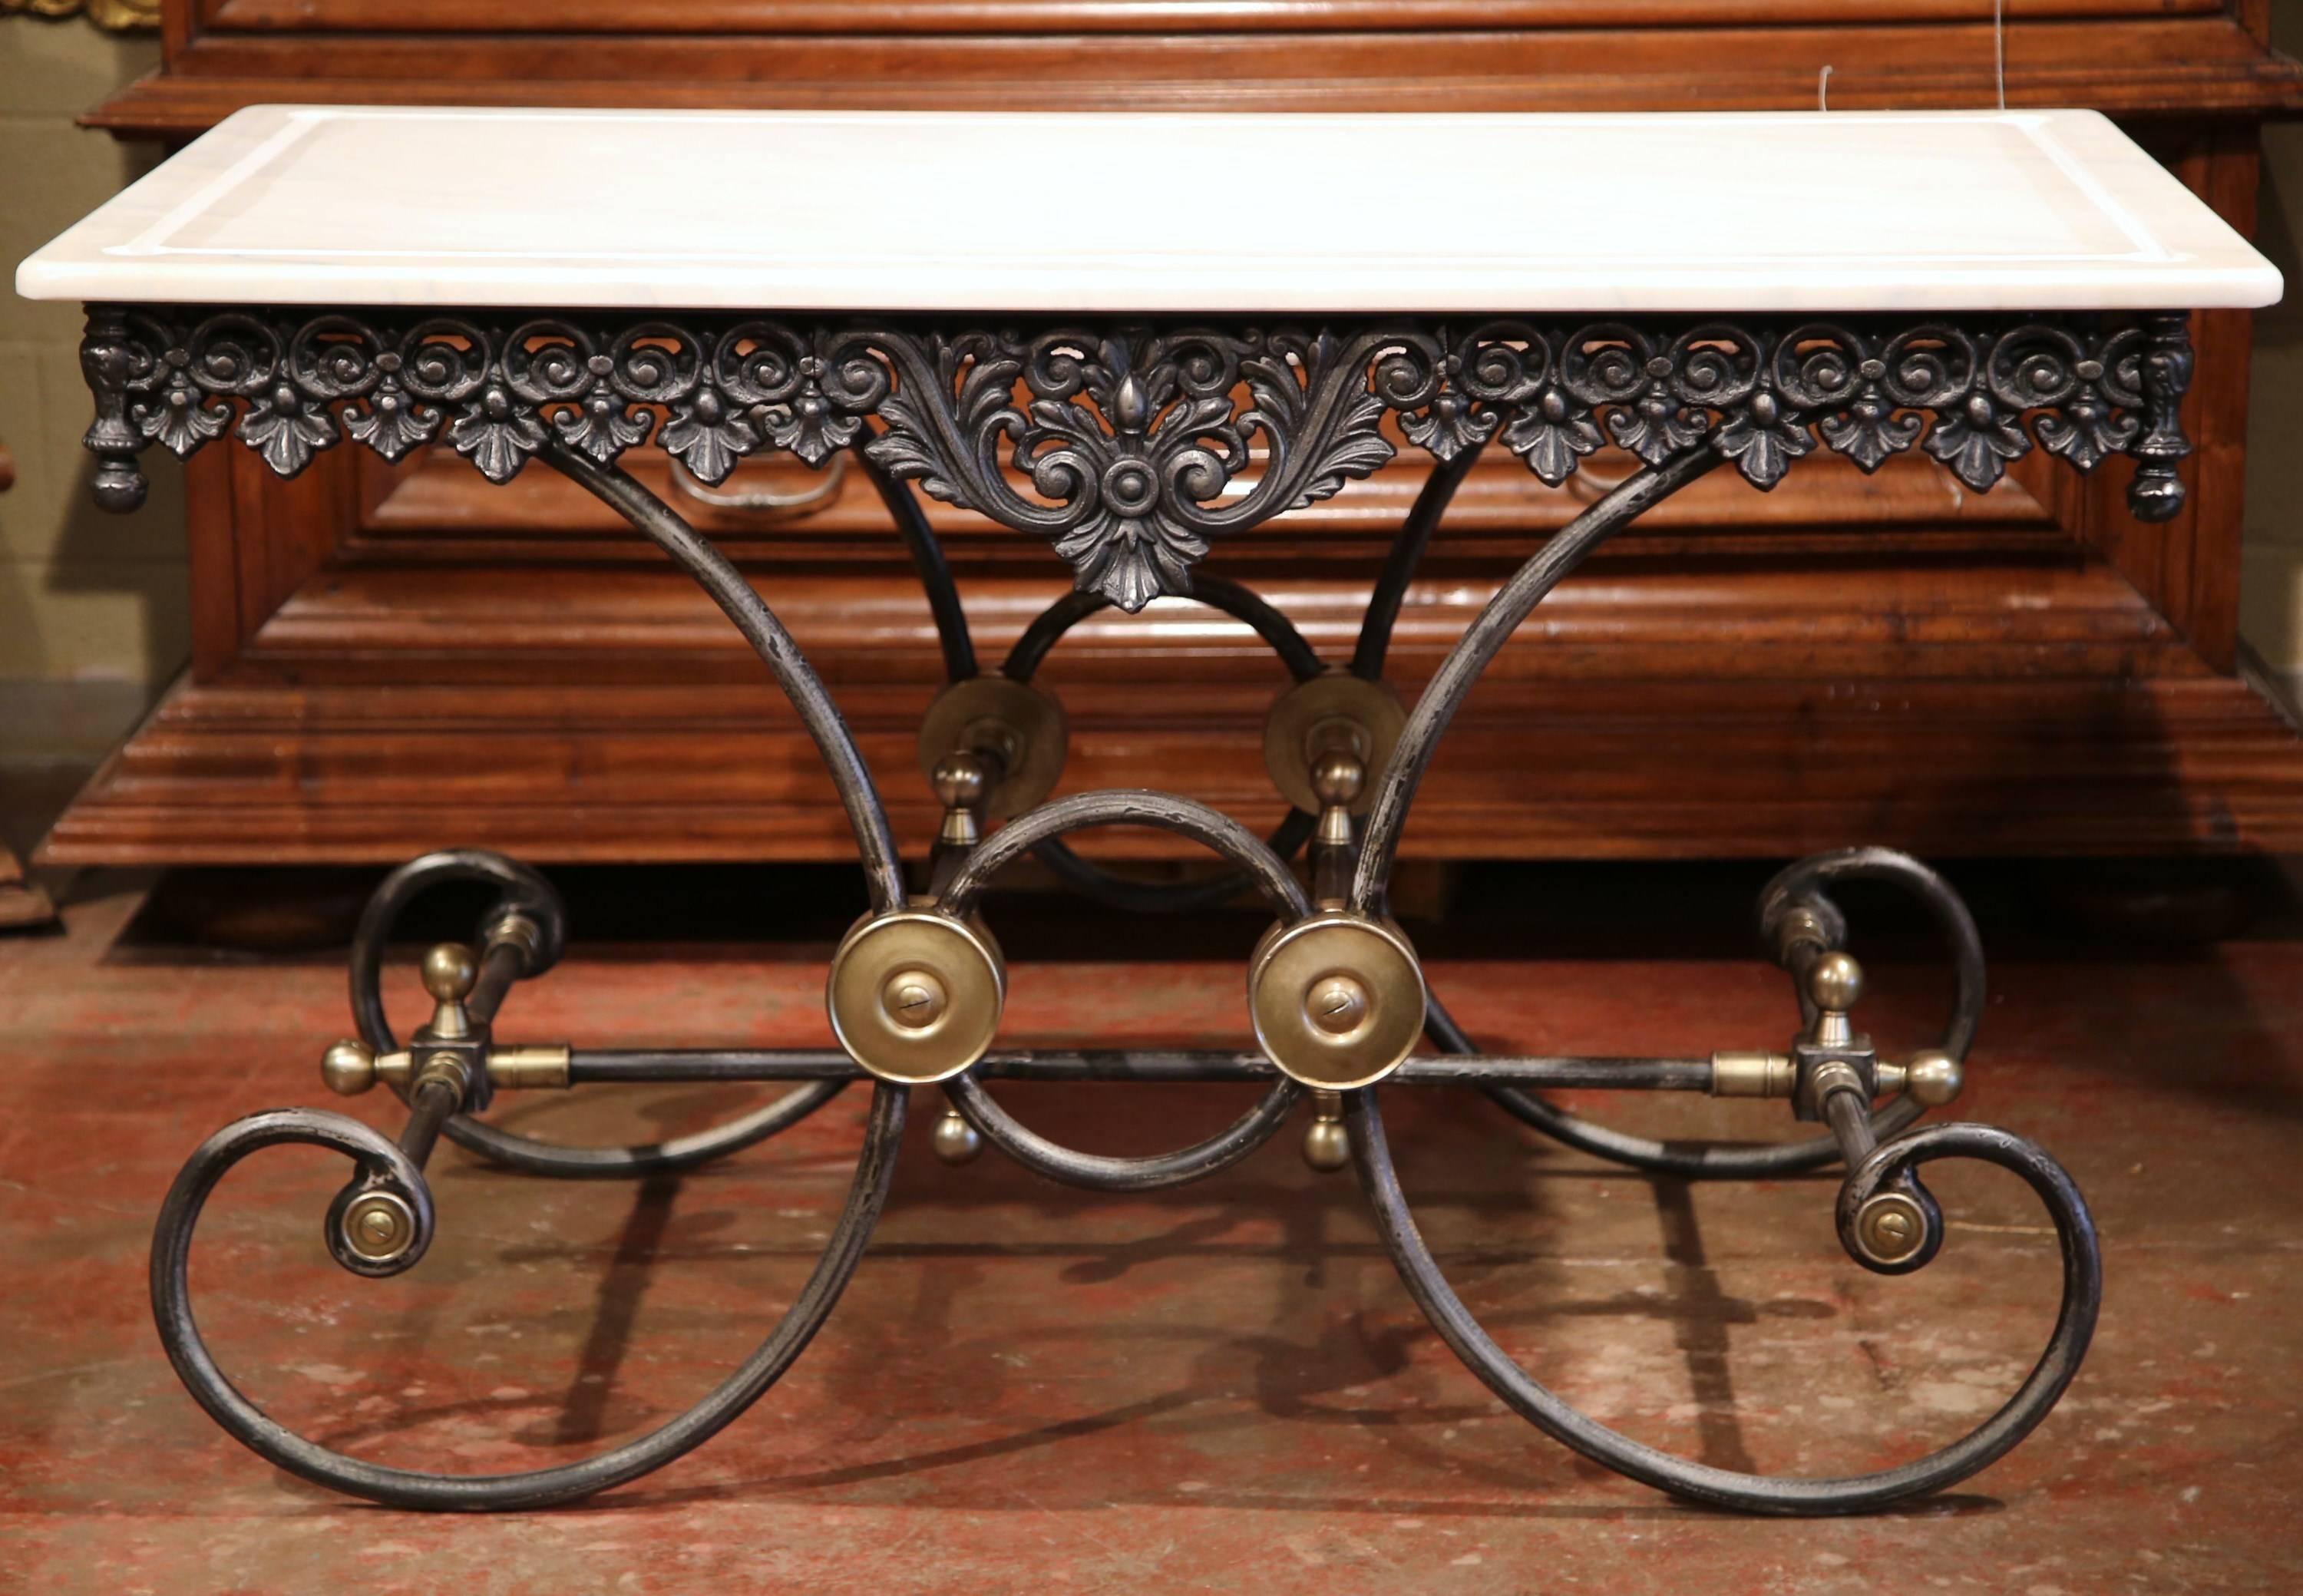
x,y
389,659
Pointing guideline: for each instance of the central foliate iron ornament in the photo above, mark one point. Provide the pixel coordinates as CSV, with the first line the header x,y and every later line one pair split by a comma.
x,y
1133,448
1131,441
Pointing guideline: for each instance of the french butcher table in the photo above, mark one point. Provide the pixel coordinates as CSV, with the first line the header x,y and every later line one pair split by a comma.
x,y
1138,366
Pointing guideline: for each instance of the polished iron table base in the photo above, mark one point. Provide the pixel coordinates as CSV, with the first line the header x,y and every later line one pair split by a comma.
x,y
1135,447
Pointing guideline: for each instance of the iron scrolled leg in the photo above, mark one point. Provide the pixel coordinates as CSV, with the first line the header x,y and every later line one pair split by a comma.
x,y
519,938
1891,1163
384,1168
1798,923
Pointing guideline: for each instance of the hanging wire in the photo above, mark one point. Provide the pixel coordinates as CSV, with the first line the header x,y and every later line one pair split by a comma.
x,y
1999,48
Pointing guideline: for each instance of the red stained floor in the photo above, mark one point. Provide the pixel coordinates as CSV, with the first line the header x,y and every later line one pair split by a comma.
x,y
1222,1387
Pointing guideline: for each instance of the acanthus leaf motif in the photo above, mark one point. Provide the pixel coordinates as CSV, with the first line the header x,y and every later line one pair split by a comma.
x,y
393,422
2086,428
287,431
1448,425
1977,441
600,423
708,435
1657,426
1869,430
943,444
1553,436
2088,431
807,424
182,418
1132,541
496,434
1762,439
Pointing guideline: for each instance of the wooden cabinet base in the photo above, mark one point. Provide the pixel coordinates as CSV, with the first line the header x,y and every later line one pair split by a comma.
x,y
21,904
1639,715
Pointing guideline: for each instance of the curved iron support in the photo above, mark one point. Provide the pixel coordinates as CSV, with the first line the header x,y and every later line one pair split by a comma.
x,y
712,571
2082,1297
1407,551
926,551
1142,897
382,1164
1493,627
1257,864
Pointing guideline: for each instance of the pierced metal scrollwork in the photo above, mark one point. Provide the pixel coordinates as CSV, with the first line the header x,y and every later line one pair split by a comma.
x,y
1130,449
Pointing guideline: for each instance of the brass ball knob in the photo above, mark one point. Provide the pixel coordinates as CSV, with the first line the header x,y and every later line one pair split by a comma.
x,y
957,1142
1327,1146
961,782
1337,778
914,999
450,973
1933,1079
348,1068
1336,1005
1834,981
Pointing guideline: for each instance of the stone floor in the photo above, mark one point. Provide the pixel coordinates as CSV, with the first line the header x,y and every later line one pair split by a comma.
x,y
1222,1387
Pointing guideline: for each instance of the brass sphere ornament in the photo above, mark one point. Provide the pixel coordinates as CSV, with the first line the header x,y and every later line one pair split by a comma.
x,y
957,1142
960,781
1933,1079
450,973
1327,1146
1337,778
1835,983
348,1068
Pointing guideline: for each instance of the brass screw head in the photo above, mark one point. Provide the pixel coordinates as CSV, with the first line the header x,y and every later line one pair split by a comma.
x,y
914,999
1336,999
1336,1004
379,1227
450,973
1337,777
1933,1079
1327,1146
1891,1227
348,1068
957,1142
914,995
1834,981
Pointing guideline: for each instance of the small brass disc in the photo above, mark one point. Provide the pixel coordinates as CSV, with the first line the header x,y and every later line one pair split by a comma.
x,y
1313,716
915,996
1023,724
1336,1000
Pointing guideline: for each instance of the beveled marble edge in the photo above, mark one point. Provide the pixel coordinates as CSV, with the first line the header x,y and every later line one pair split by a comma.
x,y
840,243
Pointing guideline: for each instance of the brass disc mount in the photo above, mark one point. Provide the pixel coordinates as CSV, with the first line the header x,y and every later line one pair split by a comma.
x,y
915,996
1336,710
1336,999
1019,723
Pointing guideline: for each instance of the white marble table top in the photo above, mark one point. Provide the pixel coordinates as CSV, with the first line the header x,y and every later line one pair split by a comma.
x,y
1844,211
